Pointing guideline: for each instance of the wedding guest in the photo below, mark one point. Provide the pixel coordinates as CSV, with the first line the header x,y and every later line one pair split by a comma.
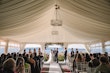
x,y
83,57
32,63
30,52
20,67
15,56
9,66
27,65
94,62
78,58
103,67
34,50
72,53
37,60
87,59
65,54
39,51
41,60
24,52
77,51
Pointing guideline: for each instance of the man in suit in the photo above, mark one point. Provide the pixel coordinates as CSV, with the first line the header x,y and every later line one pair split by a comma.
x,y
65,54
72,53
56,55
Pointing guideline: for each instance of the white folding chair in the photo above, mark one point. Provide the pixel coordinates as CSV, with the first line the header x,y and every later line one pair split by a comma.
x,y
26,70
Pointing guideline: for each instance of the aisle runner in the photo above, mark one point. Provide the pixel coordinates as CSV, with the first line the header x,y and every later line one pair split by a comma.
x,y
45,68
55,68
65,68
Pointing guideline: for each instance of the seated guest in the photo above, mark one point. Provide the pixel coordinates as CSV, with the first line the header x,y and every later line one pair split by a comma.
x,y
72,53
94,62
20,68
103,67
9,66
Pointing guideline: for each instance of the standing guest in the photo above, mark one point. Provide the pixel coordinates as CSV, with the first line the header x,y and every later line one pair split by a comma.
x,y
24,52
20,68
14,56
32,63
103,67
41,60
39,51
34,50
37,60
72,53
99,56
3,58
77,51
30,52
0,65
83,57
9,66
27,65
78,58
94,62
65,54
87,57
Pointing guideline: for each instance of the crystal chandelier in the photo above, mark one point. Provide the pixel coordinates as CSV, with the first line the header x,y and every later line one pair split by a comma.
x,y
56,21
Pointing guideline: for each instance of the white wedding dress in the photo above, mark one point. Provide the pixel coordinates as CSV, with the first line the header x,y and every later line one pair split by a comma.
x,y
50,57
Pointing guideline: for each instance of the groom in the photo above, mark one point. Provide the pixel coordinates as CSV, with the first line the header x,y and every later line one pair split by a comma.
x,y
56,55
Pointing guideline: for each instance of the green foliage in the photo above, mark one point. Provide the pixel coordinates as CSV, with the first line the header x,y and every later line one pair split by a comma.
x,y
61,58
45,57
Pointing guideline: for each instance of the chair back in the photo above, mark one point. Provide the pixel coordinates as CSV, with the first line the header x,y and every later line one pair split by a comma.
x,y
26,70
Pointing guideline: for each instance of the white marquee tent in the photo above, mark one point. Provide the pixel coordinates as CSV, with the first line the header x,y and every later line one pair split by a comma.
x,y
29,20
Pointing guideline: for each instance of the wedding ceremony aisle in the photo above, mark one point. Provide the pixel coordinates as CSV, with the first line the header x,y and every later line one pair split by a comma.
x,y
54,67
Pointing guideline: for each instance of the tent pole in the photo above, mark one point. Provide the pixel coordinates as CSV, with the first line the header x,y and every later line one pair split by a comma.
x,y
6,47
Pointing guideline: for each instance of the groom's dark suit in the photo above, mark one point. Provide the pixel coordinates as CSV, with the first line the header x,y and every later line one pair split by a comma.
x,y
56,56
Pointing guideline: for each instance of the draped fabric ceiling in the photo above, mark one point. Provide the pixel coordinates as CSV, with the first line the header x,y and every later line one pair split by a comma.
x,y
29,20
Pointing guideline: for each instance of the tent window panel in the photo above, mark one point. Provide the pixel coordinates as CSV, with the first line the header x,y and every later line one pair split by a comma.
x,y
96,45
96,50
2,49
32,47
52,47
13,45
2,43
107,49
80,47
107,43
13,49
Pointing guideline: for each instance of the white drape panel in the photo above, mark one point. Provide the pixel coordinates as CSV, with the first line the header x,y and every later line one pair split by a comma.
x,y
29,20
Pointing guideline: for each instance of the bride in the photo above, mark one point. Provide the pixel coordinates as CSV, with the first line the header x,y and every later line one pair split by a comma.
x,y
50,60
